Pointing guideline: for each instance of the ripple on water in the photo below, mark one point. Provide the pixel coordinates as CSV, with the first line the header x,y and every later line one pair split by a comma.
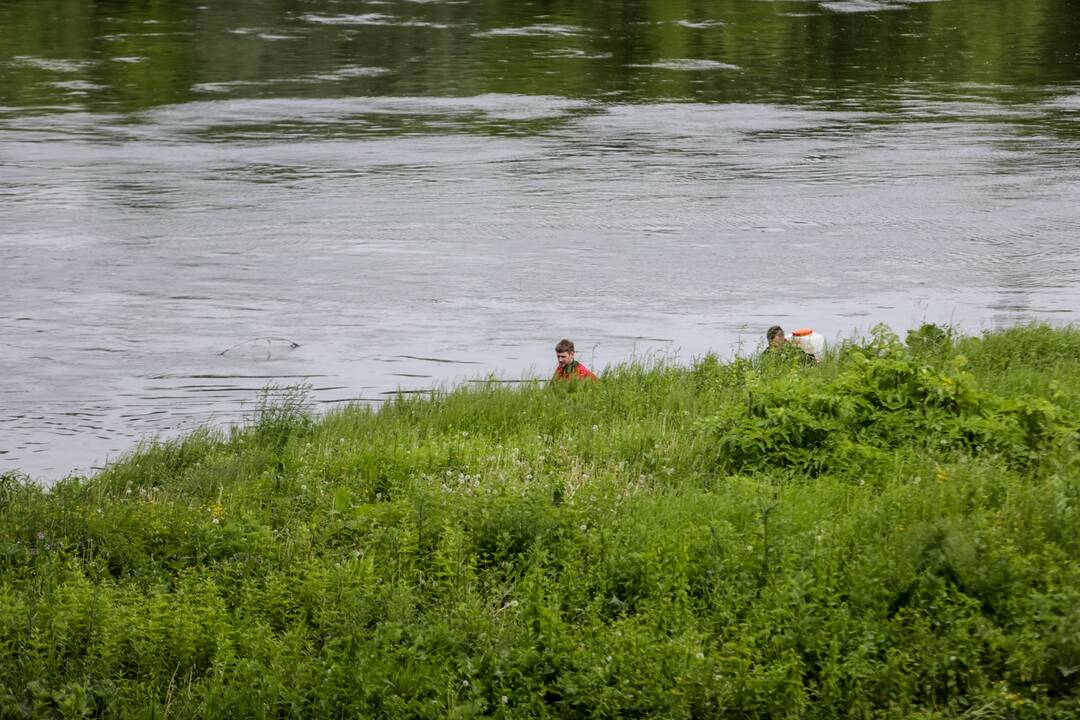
x,y
700,24
372,19
80,85
539,30
124,36
1063,102
701,120
264,34
58,65
572,54
192,116
687,65
861,6
347,72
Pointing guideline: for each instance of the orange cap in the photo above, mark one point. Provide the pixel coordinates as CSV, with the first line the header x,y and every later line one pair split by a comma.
x,y
801,332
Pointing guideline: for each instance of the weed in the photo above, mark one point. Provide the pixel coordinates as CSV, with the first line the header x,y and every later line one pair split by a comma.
x,y
888,533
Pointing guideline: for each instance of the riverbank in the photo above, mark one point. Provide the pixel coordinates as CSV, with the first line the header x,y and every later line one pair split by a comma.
x,y
892,533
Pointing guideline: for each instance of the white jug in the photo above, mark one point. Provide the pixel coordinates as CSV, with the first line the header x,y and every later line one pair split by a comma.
x,y
811,342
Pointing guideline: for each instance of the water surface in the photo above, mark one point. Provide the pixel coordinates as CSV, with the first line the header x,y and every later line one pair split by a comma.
x,y
199,201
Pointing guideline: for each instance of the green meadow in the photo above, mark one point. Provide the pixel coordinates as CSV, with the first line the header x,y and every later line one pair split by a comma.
x,y
892,533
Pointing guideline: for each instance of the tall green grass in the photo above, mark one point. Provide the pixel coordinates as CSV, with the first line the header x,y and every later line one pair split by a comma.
x,y
891,533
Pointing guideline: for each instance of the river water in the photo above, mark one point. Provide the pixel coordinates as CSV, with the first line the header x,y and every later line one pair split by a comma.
x,y
198,201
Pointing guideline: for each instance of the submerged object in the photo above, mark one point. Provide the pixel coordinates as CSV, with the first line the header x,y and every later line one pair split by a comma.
x,y
811,342
263,348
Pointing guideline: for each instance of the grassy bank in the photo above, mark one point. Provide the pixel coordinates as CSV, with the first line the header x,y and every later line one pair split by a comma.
x,y
892,533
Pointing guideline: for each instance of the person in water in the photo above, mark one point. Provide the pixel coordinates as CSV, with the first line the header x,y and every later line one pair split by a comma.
x,y
569,368
779,346
775,337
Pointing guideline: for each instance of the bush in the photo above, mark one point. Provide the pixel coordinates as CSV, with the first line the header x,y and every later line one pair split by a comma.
x,y
888,533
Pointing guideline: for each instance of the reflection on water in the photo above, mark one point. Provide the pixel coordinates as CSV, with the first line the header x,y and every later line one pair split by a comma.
x,y
198,202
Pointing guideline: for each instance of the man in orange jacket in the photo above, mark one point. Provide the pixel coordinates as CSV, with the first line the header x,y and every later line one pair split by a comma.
x,y
569,368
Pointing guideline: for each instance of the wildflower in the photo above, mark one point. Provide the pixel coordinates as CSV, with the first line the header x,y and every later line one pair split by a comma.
x,y
505,700
700,656
41,535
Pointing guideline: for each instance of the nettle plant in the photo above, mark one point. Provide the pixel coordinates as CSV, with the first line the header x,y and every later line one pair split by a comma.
x,y
881,397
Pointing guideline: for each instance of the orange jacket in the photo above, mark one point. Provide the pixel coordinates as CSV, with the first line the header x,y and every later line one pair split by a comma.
x,y
574,371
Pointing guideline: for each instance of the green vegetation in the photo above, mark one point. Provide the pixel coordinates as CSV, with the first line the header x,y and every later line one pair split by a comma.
x,y
891,533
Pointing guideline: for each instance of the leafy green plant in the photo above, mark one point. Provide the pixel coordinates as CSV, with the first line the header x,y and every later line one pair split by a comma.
x,y
887,533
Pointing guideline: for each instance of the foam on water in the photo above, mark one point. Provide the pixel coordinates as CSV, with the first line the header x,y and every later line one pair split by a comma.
x,y
373,19
539,30
688,64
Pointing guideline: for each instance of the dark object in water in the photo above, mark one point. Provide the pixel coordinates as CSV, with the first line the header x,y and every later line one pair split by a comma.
x,y
264,348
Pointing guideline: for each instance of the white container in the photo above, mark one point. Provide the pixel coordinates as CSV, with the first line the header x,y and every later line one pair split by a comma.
x,y
811,342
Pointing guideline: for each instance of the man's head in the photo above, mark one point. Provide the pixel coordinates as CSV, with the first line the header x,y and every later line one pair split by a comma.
x,y
564,352
775,336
